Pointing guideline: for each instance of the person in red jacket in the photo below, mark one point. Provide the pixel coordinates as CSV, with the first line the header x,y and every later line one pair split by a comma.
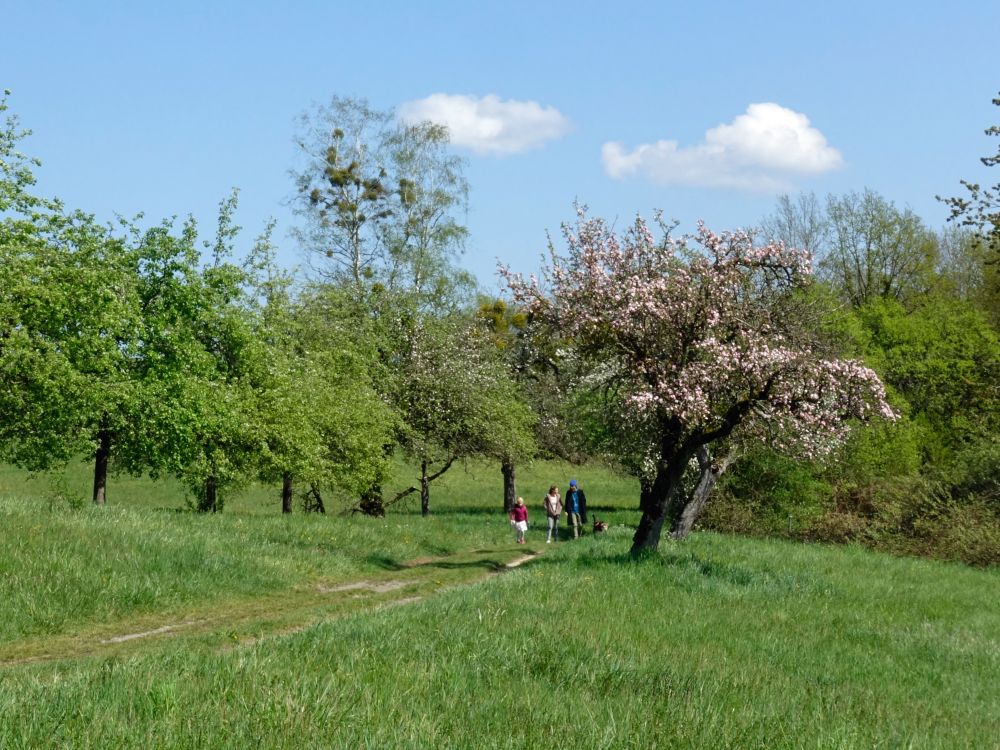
x,y
519,519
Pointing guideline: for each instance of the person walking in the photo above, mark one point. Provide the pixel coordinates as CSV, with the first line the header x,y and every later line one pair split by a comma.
x,y
553,510
576,508
519,519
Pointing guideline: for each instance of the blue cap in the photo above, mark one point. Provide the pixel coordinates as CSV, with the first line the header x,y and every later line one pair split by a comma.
x,y
572,483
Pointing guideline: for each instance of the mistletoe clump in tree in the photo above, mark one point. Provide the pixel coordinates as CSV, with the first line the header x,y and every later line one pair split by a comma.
x,y
689,342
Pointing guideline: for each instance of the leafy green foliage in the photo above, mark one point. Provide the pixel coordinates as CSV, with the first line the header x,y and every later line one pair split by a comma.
x,y
926,484
456,396
942,359
332,425
131,345
71,337
768,493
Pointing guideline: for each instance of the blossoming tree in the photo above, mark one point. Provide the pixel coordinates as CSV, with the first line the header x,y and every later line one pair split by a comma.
x,y
692,341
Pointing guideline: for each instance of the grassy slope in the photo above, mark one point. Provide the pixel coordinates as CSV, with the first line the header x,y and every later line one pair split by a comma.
x,y
66,569
717,642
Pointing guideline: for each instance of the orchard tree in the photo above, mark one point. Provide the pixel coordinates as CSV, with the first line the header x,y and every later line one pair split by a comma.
x,y
101,347
70,335
323,426
326,425
189,418
70,327
233,394
686,343
505,331
456,399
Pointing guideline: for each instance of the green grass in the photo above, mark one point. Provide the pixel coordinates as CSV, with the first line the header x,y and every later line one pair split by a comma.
x,y
64,568
715,642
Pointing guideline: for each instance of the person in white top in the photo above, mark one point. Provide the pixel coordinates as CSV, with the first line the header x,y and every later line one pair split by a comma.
x,y
553,510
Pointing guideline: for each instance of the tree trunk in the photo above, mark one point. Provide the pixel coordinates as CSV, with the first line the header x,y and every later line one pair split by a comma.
x,y
286,493
315,502
710,473
509,485
425,491
371,502
660,501
210,501
101,466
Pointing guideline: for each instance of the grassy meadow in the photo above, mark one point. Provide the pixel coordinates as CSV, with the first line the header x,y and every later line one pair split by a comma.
x,y
342,631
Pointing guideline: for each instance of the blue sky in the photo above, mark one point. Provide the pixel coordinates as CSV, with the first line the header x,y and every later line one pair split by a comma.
x,y
628,107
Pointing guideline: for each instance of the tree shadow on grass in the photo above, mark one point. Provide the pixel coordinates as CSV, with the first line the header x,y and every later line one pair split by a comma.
x,y
687,561
455,510
669,555
385,562
689,566
596,555
440,560
491,565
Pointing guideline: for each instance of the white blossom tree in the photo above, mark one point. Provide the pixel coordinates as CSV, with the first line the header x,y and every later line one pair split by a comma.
x,y
457,399
688,342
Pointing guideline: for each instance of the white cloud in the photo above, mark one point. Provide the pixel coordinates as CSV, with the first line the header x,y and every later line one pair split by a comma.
x,y
759,150
489,125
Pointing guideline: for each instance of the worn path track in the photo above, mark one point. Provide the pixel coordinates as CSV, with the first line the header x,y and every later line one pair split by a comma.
x,y
244,621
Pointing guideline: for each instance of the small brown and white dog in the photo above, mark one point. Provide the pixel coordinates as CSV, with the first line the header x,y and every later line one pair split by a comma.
x,y
599,525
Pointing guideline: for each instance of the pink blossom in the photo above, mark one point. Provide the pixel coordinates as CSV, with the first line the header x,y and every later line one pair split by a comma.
x,y
688,332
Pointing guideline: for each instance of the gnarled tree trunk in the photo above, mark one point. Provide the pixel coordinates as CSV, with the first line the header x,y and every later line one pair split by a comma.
x,y
665,499
710,471
314,500
371,503
661,500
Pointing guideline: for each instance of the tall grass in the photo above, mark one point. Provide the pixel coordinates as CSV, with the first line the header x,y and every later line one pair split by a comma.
x,y
716,642
64,568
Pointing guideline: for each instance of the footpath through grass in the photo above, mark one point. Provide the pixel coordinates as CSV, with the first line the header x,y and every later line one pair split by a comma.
x,y
715,642
143,557
66,572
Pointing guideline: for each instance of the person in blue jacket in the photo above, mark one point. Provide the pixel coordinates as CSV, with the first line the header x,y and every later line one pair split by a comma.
x,y
576,507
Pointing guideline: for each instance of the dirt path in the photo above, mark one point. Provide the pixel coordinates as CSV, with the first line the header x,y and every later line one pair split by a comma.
x,y
245,621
